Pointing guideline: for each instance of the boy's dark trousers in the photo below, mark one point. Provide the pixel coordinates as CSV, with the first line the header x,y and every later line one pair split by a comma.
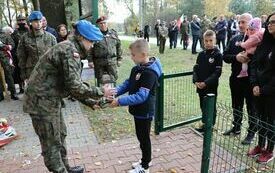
x,y
266,113
203,108
143,127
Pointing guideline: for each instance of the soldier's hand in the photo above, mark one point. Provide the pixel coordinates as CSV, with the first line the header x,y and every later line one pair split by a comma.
x,y
91,65
114,103
256,91
119,63
108,91
26,81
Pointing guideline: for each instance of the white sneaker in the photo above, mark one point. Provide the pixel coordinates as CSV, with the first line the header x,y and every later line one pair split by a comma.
x,y
139,169
135,164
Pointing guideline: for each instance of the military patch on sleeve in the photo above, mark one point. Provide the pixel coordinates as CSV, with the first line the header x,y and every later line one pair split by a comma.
x,y
76,55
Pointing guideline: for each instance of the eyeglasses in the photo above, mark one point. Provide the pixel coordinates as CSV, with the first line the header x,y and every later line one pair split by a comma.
x,y
271,22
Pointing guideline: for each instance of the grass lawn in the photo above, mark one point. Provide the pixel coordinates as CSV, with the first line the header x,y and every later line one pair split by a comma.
x,y
113,124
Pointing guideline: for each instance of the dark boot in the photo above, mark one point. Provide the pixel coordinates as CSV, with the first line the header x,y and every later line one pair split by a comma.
x,y
14,96
76,169
1,96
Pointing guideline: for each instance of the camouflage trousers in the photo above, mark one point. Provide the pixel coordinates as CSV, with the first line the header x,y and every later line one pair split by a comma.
x,y
109,68
8,70
52,131
162,41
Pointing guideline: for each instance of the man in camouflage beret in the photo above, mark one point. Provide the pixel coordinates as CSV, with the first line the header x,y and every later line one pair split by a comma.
x,y
33,45
56,76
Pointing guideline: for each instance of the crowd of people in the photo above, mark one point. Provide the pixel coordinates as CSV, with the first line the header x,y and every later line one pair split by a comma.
x,y
251,55
225,29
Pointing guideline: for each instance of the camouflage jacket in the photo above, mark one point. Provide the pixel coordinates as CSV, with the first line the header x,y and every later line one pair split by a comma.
x,y
5,40
109,47
31,47
56,76
163,31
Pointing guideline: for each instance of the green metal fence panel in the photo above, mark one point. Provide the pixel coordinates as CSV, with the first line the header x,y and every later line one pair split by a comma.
x,y
228,154
209,102
177,102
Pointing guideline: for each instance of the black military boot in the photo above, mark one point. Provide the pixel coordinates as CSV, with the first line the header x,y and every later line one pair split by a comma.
x,y
76,169
1,96
14,96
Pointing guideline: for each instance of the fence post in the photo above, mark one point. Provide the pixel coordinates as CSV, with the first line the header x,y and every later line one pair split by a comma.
x,y
209,102
159,106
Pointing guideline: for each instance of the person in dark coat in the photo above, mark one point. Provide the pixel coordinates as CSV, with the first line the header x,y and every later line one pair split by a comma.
x,y
241,90
263,82
229,31
220,29
185,31
206,73
21,29
196,33
173,34
157,31
62,33
146,32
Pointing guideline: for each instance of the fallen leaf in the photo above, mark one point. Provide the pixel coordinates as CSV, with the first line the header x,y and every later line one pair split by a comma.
x,y
98,163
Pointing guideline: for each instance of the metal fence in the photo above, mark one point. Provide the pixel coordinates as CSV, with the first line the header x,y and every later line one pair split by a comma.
x,y
226,154
177,102
178,105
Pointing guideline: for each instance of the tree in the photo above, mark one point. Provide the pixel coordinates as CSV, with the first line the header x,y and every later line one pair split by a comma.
x,y
263,7
36,4
240,6
215,7
191,7
54,11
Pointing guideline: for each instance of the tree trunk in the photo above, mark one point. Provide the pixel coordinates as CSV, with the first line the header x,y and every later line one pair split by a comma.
x,y
54,11
36,5
9,13
26,7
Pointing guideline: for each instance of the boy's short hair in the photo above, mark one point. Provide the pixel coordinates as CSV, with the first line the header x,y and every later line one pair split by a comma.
x,y
209,33
141,45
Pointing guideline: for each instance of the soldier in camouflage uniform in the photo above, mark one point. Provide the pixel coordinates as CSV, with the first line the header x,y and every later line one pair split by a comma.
x,y
33,45
6,45
55,76
21,29
106,54
163,33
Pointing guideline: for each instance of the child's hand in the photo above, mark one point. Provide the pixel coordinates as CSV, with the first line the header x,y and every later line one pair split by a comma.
x,y
108,91
202,85
114,103
197,84
238,43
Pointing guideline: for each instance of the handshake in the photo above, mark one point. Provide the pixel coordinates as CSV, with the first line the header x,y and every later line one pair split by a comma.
x,y
108,100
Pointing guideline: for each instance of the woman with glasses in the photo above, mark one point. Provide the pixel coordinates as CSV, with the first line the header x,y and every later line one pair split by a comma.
x,y
263,81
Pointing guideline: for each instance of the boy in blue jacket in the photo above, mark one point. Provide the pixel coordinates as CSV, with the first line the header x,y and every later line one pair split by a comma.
x,y
141,86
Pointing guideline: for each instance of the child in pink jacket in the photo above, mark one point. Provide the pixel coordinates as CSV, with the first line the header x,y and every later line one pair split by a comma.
x,y
255,36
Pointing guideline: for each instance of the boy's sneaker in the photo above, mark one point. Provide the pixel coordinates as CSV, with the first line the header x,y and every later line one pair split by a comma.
x,y
136,164
233,131
242,74
265,157
255,151
139,169
248,139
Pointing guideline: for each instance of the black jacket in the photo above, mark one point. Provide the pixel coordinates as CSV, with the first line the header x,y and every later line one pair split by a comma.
x,y
262,70
208,69
229,55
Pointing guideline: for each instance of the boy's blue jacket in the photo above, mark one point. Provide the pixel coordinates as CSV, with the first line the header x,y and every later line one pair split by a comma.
x,y
141,86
